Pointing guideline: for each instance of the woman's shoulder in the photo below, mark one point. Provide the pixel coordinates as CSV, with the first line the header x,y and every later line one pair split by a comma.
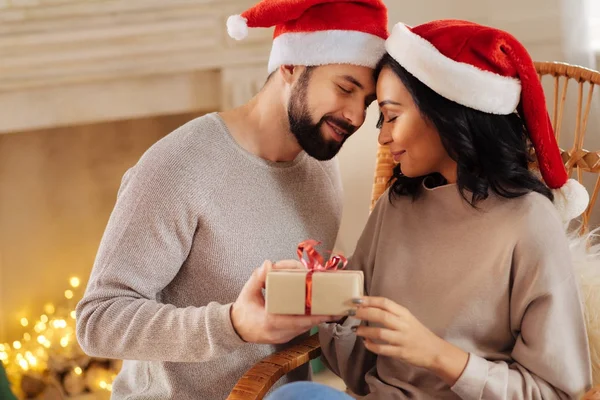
x,y
542,254
535,210
537,224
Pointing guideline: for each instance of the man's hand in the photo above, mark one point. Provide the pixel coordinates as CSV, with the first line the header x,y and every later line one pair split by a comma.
x,y
251,320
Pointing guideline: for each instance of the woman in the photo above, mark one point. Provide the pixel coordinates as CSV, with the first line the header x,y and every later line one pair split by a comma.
x,y
466,263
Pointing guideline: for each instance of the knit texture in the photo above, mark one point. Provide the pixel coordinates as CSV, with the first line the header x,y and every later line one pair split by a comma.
x,y
496,281
193,218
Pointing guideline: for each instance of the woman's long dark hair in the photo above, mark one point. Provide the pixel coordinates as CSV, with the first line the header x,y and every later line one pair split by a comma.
x,y
492,151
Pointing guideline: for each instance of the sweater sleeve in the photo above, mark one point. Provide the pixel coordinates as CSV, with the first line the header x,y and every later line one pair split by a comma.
x,y
147,240
550,358
343,352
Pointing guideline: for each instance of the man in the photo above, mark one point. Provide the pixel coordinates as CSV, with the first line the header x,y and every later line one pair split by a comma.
x,y
173,290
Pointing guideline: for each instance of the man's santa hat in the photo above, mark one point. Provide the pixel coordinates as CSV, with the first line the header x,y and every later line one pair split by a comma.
x,y
488,70
318,32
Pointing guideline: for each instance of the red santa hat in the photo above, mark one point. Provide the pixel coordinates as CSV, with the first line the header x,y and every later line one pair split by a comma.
x,y
318,32
488,70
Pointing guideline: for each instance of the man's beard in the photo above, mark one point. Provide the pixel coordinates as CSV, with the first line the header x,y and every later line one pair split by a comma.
x,y
309,134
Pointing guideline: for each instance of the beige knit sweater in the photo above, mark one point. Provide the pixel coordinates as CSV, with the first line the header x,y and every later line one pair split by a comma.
x,y
193,219
496,282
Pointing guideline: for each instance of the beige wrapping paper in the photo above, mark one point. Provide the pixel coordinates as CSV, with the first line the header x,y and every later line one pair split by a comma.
x,y
332,291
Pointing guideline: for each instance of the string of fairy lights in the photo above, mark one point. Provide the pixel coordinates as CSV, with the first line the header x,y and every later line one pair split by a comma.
x,y
48,351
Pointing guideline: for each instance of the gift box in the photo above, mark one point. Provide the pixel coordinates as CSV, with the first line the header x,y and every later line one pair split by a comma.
x,y
320,289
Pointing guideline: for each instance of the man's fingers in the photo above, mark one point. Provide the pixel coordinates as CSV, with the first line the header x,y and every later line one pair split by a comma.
x,y
258,279
321,319
299,322
266,266
288,264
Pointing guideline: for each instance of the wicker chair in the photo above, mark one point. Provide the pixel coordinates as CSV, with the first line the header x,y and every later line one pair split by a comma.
x,y
261,377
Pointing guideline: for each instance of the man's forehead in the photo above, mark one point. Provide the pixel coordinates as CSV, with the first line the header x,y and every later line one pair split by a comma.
x,y
363,78
353,80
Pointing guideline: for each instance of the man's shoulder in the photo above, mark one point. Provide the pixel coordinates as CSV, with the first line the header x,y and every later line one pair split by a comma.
x,y
193,134
188,143
183,153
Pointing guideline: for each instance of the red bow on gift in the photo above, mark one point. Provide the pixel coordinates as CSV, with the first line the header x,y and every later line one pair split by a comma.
x,y
315,264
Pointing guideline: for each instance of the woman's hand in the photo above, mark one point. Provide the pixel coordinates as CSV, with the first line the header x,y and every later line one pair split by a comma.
x,y
405,338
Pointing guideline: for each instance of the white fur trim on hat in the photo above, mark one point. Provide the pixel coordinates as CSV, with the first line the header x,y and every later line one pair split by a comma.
x,y
326,47
237,27
571,200
460,82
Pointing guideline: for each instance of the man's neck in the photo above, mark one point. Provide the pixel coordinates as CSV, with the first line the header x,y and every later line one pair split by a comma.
x,y
261,127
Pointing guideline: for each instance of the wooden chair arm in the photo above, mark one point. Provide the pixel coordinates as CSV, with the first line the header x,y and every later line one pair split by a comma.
x,y
593,394
255,383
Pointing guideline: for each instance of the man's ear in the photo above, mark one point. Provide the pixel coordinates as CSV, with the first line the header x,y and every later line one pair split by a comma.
x,y
289,73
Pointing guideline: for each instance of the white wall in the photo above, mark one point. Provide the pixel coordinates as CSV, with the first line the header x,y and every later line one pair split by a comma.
x,y
357,163
72,62
548,28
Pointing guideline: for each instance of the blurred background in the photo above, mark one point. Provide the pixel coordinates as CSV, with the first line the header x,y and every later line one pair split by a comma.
x,y
86,86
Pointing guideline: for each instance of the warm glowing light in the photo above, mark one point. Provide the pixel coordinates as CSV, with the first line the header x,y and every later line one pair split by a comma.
x,y
31,359
46,335
24,365
59,323
49,308
39,327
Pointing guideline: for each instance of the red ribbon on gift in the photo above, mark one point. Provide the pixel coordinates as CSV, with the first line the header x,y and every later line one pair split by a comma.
x,y
315,264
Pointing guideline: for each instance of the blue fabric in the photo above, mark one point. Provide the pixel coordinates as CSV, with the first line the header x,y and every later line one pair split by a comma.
x,y
307,390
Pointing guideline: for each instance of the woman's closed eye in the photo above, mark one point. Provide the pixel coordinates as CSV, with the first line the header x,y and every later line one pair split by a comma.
x,y
382,120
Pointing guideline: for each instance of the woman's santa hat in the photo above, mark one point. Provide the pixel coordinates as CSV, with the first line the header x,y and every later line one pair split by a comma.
x,y
318,32
488,70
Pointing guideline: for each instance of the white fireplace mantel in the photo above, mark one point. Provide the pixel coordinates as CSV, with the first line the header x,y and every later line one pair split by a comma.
x,y
65,62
